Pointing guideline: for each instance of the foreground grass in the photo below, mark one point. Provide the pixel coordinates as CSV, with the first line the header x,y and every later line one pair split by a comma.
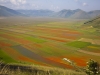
x,y
15,69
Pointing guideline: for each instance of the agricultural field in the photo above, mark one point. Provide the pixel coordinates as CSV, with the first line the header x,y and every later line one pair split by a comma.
x,y
46,41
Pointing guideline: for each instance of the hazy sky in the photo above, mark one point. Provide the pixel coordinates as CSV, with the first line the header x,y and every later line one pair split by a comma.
x,y
55,5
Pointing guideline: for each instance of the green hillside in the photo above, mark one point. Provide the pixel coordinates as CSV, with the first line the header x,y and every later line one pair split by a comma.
x,y
93,23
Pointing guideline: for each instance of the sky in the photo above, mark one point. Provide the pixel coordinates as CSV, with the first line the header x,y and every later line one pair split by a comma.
x,y
55,5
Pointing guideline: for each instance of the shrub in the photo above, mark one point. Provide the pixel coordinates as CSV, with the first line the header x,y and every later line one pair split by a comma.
x,y
92,68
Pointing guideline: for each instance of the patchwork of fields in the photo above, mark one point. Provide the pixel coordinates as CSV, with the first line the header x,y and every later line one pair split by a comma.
x,y
45,45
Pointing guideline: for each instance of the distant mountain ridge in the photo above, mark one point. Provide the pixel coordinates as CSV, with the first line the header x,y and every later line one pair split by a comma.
x,y
94,13
5,12
36,12
78,14
64,13
72,14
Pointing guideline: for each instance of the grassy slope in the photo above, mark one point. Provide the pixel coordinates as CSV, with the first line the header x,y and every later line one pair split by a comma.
x,y
94,22
92,26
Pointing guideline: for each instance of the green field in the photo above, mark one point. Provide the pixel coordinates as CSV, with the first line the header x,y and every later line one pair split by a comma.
x,y
79,44
6,58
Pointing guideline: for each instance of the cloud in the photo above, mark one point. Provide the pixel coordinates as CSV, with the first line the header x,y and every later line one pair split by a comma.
x,y
22,1
13,2
18,2
81,3
53,7
84,4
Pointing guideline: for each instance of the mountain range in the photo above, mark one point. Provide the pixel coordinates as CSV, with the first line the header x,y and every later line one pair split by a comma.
x,y
36,12
6,12
73,14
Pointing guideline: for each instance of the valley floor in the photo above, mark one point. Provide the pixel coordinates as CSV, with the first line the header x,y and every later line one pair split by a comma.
x,y
46,41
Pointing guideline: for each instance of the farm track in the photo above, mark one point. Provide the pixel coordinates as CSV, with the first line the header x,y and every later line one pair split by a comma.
x,y
91,53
